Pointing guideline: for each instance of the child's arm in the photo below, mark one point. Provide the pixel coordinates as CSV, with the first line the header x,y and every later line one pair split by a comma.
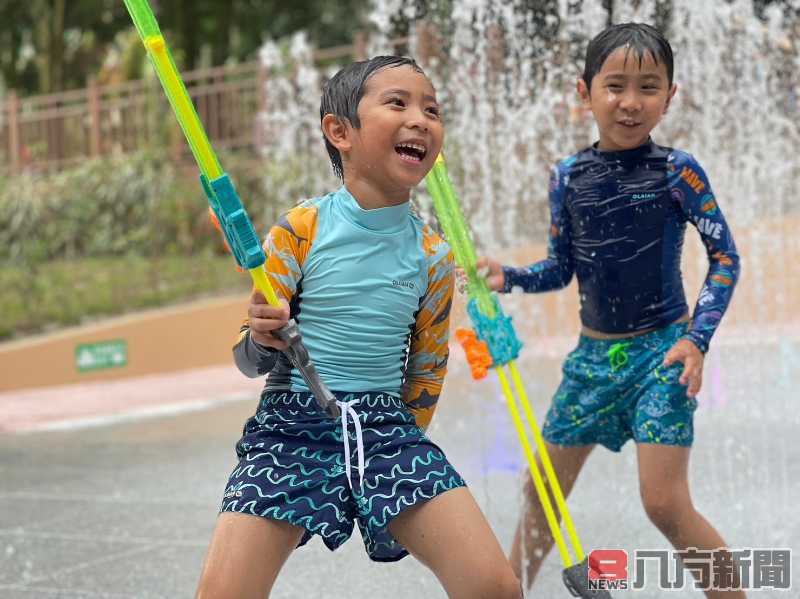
x,y
428,352
690,187
555,272
286,247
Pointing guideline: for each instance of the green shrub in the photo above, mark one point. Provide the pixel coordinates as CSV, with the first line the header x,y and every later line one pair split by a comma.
x,y
71,292
139,204
119,234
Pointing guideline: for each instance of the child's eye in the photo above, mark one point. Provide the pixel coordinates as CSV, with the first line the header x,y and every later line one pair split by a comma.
x,y
396,102
434,110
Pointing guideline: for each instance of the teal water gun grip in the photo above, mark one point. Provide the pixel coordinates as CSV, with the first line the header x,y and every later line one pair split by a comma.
x,y
234,222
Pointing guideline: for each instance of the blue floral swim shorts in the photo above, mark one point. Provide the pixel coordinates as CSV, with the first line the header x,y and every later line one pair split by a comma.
x,y
617,390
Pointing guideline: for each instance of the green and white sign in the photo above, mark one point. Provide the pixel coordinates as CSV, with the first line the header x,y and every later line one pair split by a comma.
x,y
101,355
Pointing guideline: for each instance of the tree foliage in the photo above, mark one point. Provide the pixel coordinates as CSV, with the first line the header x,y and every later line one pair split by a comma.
x,y
54,45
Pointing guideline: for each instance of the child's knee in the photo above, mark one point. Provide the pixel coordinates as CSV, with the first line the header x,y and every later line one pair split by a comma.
x,y
489,578
531,495
214,588
665,508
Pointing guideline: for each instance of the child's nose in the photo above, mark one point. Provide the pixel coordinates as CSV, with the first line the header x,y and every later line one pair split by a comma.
x,y
630,101
416,119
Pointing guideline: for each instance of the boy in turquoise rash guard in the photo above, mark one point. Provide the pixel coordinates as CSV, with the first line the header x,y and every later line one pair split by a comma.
x,y
370,287
618,214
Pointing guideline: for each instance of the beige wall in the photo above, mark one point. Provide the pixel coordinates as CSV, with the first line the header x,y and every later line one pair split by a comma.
x,y
187,336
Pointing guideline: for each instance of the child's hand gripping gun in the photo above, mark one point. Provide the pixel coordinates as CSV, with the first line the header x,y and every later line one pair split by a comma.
x,y
494,344
230,214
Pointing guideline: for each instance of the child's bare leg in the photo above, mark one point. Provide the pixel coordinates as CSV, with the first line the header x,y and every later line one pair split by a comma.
x,y
567,463
451,536
664,487
245,556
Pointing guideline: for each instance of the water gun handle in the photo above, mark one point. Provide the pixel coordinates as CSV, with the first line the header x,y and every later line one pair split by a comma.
x,y
298,355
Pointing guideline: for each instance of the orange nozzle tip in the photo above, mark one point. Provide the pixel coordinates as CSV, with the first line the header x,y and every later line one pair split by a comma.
x,y
479,373
213,218
477,352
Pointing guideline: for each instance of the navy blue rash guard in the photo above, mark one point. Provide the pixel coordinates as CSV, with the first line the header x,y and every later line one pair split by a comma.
x,y
617,222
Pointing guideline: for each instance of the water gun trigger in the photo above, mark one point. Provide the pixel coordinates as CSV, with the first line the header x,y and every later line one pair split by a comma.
x,y
477,353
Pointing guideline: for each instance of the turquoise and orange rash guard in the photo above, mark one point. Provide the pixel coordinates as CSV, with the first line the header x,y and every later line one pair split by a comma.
x,y
617,222
371,292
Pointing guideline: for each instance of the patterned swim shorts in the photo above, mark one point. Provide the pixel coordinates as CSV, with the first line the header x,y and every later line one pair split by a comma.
x,y
617,390
294,466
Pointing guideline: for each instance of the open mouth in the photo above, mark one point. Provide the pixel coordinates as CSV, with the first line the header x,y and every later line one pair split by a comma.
x,y
629,124
412,152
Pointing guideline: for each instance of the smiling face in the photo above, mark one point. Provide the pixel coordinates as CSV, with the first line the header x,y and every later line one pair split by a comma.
x,y
399,137
627,98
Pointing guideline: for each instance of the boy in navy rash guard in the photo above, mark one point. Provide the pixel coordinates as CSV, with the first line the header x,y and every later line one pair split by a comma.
x,y
618,214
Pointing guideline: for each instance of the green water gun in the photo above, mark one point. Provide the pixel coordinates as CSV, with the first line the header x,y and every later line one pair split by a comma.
x,y
225,203
494,343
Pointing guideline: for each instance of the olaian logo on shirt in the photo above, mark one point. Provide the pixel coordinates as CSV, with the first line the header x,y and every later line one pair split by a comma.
x,y
408,284
643,196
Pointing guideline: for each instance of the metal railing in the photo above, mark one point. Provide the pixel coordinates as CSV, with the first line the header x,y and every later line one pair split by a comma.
x,y
48,133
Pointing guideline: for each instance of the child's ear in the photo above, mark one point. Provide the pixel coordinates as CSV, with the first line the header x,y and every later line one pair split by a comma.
x,y
584,93
670,95
337,132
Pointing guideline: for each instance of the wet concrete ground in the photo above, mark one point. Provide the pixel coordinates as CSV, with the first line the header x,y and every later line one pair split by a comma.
x,y
126,510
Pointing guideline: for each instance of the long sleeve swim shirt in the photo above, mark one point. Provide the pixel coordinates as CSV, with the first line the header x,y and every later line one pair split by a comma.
x,y
617,223
371,291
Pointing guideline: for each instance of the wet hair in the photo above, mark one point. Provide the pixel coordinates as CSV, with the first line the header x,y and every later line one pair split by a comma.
x,y
634,37
343,92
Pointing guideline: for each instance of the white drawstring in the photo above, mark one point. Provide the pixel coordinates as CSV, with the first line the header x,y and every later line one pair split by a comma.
x,y
346,407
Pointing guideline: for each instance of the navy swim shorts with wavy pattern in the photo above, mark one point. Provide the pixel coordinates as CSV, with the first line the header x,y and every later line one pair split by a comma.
x,y
295,466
